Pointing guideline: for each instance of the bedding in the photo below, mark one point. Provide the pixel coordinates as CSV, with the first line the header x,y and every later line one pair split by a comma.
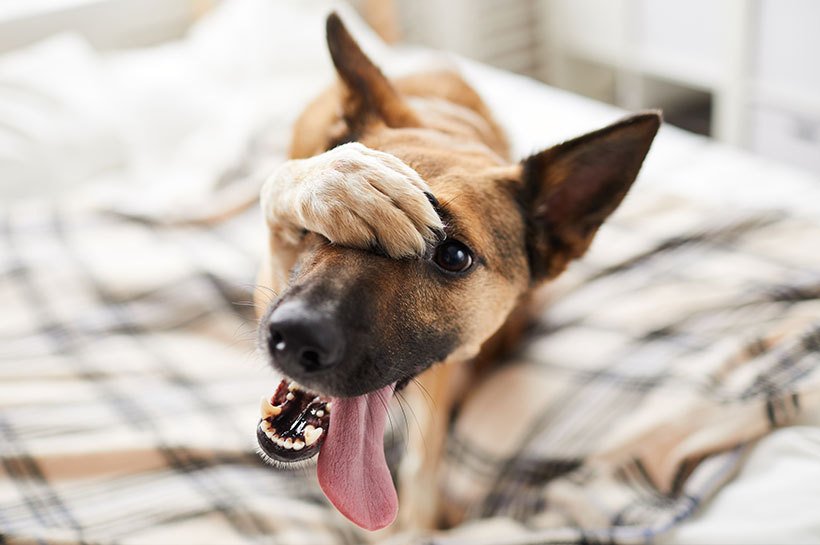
x,y
673,376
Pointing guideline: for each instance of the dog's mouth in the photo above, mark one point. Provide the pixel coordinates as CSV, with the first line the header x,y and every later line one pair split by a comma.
x,y
296,424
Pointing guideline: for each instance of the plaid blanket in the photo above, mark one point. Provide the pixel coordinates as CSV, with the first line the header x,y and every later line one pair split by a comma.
x,y
129,383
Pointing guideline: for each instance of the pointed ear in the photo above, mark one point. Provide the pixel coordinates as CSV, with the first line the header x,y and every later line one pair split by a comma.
x,y
570,189
368,93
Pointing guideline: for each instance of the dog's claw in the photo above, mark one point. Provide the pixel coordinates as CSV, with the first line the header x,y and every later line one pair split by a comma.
x,y
438,232
440,235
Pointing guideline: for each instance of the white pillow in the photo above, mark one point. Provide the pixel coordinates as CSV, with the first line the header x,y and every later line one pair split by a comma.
x,y
173,121
57,120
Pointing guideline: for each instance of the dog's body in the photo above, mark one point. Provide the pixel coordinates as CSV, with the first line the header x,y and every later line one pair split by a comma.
x,y
403,233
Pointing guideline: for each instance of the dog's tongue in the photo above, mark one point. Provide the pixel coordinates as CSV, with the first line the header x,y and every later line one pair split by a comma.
x,y
352,470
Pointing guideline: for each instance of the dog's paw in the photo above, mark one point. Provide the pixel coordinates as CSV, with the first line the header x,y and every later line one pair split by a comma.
x,y
354,196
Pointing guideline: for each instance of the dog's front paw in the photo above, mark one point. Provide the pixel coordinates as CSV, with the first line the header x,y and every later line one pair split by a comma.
x,y
354,196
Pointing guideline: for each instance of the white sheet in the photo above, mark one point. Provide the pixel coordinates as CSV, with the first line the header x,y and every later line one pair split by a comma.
x,y
775,498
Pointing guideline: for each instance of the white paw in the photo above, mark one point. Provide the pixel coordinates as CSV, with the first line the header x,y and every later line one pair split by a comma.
x,y
354,196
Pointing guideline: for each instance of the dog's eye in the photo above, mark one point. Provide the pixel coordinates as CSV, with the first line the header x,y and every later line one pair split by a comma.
x,y
453,256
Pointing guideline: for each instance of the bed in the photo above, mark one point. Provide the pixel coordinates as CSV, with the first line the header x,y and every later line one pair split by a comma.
x,y
672,383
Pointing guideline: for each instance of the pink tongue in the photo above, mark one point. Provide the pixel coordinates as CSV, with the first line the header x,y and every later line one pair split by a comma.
x,y
352,470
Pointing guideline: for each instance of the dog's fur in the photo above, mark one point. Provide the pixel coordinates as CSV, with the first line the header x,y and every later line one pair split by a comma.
x,y
352,230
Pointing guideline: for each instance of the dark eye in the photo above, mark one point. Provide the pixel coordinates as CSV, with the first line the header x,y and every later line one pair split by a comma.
x,y
453,256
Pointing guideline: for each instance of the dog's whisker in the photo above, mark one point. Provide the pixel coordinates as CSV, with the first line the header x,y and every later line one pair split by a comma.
x,y
446,203
425,392
418,425
255,287
241,337
386,408
266,291
399,399
248,337
402,401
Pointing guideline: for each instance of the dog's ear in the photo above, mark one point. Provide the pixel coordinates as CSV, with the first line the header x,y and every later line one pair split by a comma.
x,y
570,189
368,93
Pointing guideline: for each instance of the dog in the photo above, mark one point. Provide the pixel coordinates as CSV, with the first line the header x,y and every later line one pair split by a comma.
x,y
406,249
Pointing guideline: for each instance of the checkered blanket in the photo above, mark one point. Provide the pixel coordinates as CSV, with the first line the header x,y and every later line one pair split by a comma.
x,y
129,383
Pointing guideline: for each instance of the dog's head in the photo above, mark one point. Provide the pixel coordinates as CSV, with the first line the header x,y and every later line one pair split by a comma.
x,y
357,320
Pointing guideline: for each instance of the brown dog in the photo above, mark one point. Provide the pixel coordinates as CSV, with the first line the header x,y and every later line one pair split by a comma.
x,y
403,243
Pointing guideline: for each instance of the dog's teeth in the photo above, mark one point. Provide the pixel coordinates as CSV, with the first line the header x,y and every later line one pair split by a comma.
x,y
293,385
320,413
271,434
327,406
267,409
298,444
265,425
288,443
290,396
312,435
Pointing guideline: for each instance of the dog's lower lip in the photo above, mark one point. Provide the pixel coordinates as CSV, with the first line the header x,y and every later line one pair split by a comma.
x,y
294,423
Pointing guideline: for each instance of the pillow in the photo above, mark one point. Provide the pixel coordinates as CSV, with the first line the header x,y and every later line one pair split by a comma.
x,y
178,120
58,124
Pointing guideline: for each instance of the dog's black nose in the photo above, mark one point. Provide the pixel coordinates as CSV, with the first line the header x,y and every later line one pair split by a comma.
x,y
303,339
